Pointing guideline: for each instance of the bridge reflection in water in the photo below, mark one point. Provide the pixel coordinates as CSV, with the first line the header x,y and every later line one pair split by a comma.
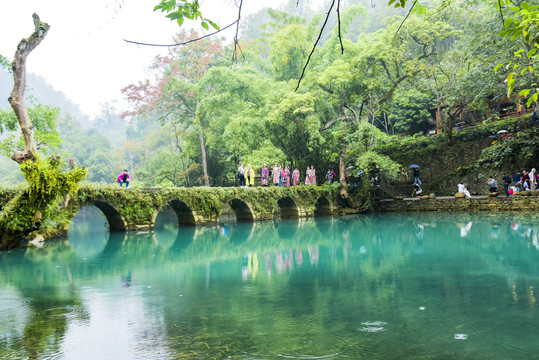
x,y
375,286
138,209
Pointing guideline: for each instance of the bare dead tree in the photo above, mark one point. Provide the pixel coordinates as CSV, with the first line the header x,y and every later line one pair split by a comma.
x,y
16,99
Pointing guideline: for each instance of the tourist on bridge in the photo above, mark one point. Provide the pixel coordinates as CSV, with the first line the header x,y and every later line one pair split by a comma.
x,y
276,174
308,176
295,177
124,178
241,175
463,189
286,176
264,175
313,175
329,177
250,176
493,185
533,180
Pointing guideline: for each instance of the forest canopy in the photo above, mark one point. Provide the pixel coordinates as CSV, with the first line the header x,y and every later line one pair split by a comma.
x,y
200,113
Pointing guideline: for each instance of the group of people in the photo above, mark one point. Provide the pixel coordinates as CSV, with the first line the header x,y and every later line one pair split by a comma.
x,y
525,182
280,175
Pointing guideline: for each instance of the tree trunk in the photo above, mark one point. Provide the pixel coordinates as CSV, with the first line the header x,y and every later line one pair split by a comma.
x,y
16,99
203,152
343,183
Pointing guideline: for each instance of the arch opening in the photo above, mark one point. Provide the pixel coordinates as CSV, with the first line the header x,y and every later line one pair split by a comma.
x,y
288,208
116,223
322,207
175,212
236,210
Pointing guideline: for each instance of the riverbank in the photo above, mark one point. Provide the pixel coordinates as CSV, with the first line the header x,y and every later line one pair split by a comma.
x,y
529,203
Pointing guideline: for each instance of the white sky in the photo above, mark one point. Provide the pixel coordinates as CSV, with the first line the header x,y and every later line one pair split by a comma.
x,y
84,54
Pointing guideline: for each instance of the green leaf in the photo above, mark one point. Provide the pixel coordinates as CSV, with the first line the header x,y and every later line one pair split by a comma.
x,y
205,25
524,92
180,21
508,22
215,26
497,67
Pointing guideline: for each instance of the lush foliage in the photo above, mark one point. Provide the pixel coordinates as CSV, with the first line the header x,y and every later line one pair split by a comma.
x,y
522,24
36,209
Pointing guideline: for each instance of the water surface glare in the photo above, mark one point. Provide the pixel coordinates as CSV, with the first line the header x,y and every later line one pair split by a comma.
x,y
421,286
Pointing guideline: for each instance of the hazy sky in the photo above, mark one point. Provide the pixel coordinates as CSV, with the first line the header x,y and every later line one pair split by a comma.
x,y
84,54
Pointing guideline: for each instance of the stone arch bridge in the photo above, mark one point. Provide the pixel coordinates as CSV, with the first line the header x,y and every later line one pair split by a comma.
x,y
137,209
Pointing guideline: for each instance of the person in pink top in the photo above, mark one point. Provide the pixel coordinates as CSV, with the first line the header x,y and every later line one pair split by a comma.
x,y
313,175
124,178
276,174
308,176
295,177
286,177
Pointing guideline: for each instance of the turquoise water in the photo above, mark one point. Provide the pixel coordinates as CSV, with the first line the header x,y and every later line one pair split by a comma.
x,y
421,286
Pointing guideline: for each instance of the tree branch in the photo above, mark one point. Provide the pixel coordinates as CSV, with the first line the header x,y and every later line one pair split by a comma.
x,y
315,44
236,43
339,24
409,12
183,43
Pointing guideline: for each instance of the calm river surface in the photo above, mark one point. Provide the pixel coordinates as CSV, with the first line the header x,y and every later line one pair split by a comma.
x,y
420,286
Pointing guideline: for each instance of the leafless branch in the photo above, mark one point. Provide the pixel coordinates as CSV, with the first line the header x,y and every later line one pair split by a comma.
x,y
339,24
315,44
186,42
236,43
409,12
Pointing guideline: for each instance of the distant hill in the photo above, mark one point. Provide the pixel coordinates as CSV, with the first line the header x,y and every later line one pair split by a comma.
x,y
44,92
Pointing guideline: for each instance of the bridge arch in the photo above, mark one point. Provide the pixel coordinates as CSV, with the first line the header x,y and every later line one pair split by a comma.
x,y
185,214
241,210
116,221
288,208
322,207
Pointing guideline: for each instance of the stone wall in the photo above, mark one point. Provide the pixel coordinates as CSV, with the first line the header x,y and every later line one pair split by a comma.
x,y
491,204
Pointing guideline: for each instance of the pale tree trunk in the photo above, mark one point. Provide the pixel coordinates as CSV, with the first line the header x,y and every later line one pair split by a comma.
x,y
203,151
17,95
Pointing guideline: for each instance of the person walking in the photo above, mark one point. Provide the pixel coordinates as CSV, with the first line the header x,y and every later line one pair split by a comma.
x,y
295,177
286,177
416,176
250,176
124,178
264,175
308,176
328,176
276,174
241,175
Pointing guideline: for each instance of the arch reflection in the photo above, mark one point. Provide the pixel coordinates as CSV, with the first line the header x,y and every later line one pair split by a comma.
x,y
88,232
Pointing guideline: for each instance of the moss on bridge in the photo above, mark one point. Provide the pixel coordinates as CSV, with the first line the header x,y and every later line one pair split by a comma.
x,y
136,209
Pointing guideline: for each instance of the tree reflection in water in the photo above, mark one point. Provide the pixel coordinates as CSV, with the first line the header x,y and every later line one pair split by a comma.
x,y
293,288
